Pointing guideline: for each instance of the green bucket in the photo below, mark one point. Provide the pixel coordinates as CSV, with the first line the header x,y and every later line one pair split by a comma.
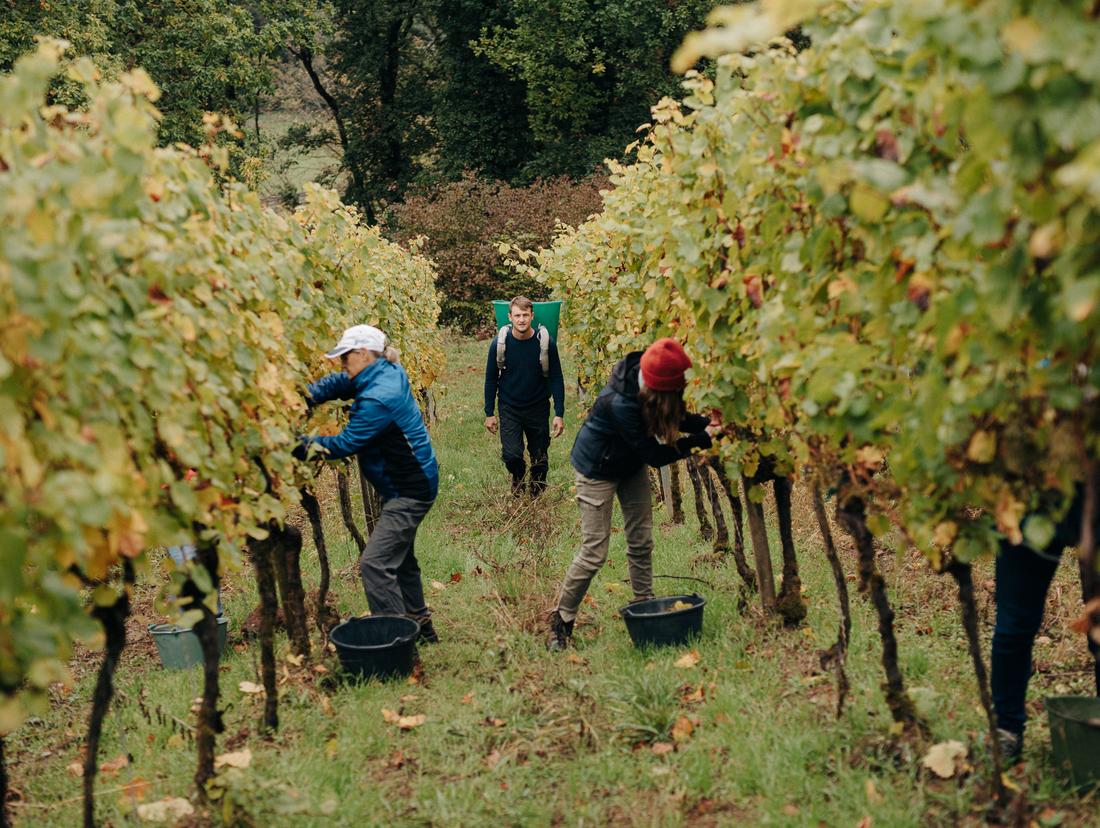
x,y
179,647
1075,738
547,314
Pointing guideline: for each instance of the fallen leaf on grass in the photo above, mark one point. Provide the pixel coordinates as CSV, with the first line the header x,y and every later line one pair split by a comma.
x,y
408,697
438,586
661,748
250,687
389,716
690,695
326,706
688,659
134,791
456,577
237,759
682,729
866,822
332,748
492,721
790,809
409,722
296,660
493,759
575,659
945,759
397,761
469,697
164,810
320,669
873,796
113,766
75,769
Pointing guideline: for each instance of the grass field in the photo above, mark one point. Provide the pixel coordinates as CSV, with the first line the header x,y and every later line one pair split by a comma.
x,y
515,735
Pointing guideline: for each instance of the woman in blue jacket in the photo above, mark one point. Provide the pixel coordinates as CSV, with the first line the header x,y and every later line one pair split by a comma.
x,y
636,421
386,431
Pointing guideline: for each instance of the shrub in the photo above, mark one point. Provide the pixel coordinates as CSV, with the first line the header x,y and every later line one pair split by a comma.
x,y
465,222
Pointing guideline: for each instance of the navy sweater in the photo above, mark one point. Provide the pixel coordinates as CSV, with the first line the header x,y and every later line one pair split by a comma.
x,y
521,383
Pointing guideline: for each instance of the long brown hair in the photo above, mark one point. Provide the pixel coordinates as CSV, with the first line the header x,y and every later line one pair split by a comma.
x,y
662,413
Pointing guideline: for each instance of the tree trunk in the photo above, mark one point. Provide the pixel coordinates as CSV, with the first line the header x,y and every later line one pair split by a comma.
x,y
210,722
734,498
262,555
113,620
721,530
851,515
705,529
325,615
765,578
838,653
969,608
677,494
305,55
791,606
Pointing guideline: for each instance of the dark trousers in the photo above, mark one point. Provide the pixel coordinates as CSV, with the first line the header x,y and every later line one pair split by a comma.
x,y
533,425
388,567
1023,578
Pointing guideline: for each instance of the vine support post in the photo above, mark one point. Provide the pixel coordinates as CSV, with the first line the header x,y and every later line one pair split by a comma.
x,y
963,576
113,620
838,653
765,578
210,722
852,516
791,605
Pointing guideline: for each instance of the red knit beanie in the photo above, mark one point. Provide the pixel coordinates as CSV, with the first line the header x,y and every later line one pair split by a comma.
x,y
663,366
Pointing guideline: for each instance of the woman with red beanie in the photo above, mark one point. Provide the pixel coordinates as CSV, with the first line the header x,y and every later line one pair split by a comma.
x,y
637,420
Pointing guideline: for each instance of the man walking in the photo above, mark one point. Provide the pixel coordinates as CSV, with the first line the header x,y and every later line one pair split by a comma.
x,y
525,372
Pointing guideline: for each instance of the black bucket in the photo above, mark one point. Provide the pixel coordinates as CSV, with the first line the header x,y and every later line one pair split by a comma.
x,y
376,646
655,622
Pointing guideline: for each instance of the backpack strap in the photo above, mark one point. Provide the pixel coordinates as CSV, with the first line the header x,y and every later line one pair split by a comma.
x,y
502,338
544,350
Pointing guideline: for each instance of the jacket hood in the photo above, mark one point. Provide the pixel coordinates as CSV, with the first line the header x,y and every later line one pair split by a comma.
x,y
624,376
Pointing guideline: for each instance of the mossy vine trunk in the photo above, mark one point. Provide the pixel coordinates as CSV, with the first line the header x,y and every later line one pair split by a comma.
x,y
721,529
677,488
734,498
705,529
343,487
113,621
210,722
851,515
325,616
288,575
791,606
5,822
969,609
765,578
837,655
262,555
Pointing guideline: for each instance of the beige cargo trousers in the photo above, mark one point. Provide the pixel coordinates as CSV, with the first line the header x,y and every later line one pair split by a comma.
x,y
596,499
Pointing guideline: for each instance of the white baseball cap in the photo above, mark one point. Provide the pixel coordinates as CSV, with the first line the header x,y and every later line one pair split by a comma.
x,y
356,337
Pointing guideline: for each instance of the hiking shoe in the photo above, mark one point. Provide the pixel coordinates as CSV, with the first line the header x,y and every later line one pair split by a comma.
x,y
1012,744
427,634
560,633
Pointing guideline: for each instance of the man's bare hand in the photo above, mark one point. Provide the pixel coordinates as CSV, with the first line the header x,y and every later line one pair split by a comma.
x,y
491,425
557,428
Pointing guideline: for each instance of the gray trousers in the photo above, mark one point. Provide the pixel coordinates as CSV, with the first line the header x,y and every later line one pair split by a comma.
x,y
596,499
388,567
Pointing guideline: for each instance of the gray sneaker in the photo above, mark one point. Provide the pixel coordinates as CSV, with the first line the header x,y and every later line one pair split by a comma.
x,y
1012,744
560,633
